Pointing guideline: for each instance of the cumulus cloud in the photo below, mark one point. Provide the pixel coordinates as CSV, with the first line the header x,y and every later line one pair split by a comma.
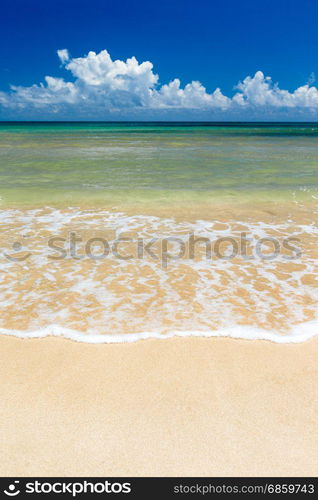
x,y
260,91
193,95
63,55
98,84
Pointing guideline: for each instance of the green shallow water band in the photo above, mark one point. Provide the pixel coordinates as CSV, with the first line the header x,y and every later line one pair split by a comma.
x,y
117,163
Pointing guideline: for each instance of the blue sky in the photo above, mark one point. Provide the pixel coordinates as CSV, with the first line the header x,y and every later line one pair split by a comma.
x,y
217,43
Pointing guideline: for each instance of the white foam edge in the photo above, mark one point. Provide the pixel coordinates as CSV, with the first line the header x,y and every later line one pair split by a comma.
x,y
299,333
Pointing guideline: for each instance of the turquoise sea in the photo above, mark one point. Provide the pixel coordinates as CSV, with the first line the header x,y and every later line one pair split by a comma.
x,y
120,189
65,163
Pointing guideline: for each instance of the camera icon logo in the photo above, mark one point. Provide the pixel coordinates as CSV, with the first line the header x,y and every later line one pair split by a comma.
x,y
12,490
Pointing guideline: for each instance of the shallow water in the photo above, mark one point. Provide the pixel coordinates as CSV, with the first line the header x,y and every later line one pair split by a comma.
x,y
105,163
120,186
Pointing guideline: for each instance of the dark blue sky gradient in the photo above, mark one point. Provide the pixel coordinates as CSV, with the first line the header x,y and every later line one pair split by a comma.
x,y
216,42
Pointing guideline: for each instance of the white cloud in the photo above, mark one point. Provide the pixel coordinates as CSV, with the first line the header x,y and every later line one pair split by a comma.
x,y
63,55
98,85
193,96
260,91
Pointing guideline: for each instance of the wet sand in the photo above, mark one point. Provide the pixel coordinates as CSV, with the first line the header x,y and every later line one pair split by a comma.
x,y
178,407
116,286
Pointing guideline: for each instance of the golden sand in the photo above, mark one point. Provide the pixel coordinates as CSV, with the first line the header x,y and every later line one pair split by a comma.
x,y
179,407
135,294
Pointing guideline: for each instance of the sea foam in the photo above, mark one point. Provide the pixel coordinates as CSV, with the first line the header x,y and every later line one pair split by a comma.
x,y
87,300
299,334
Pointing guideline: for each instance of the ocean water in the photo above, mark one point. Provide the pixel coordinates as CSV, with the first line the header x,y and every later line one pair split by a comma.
x,y
114,232
98,162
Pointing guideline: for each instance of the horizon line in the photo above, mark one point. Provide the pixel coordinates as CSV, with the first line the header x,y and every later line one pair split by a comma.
x,y
206,122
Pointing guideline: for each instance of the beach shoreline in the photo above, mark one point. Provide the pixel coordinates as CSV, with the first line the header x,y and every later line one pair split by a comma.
x,y
113,232
182,407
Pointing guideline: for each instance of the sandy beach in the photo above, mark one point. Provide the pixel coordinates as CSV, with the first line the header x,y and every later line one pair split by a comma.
x,y
113,233
178,407
158,247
